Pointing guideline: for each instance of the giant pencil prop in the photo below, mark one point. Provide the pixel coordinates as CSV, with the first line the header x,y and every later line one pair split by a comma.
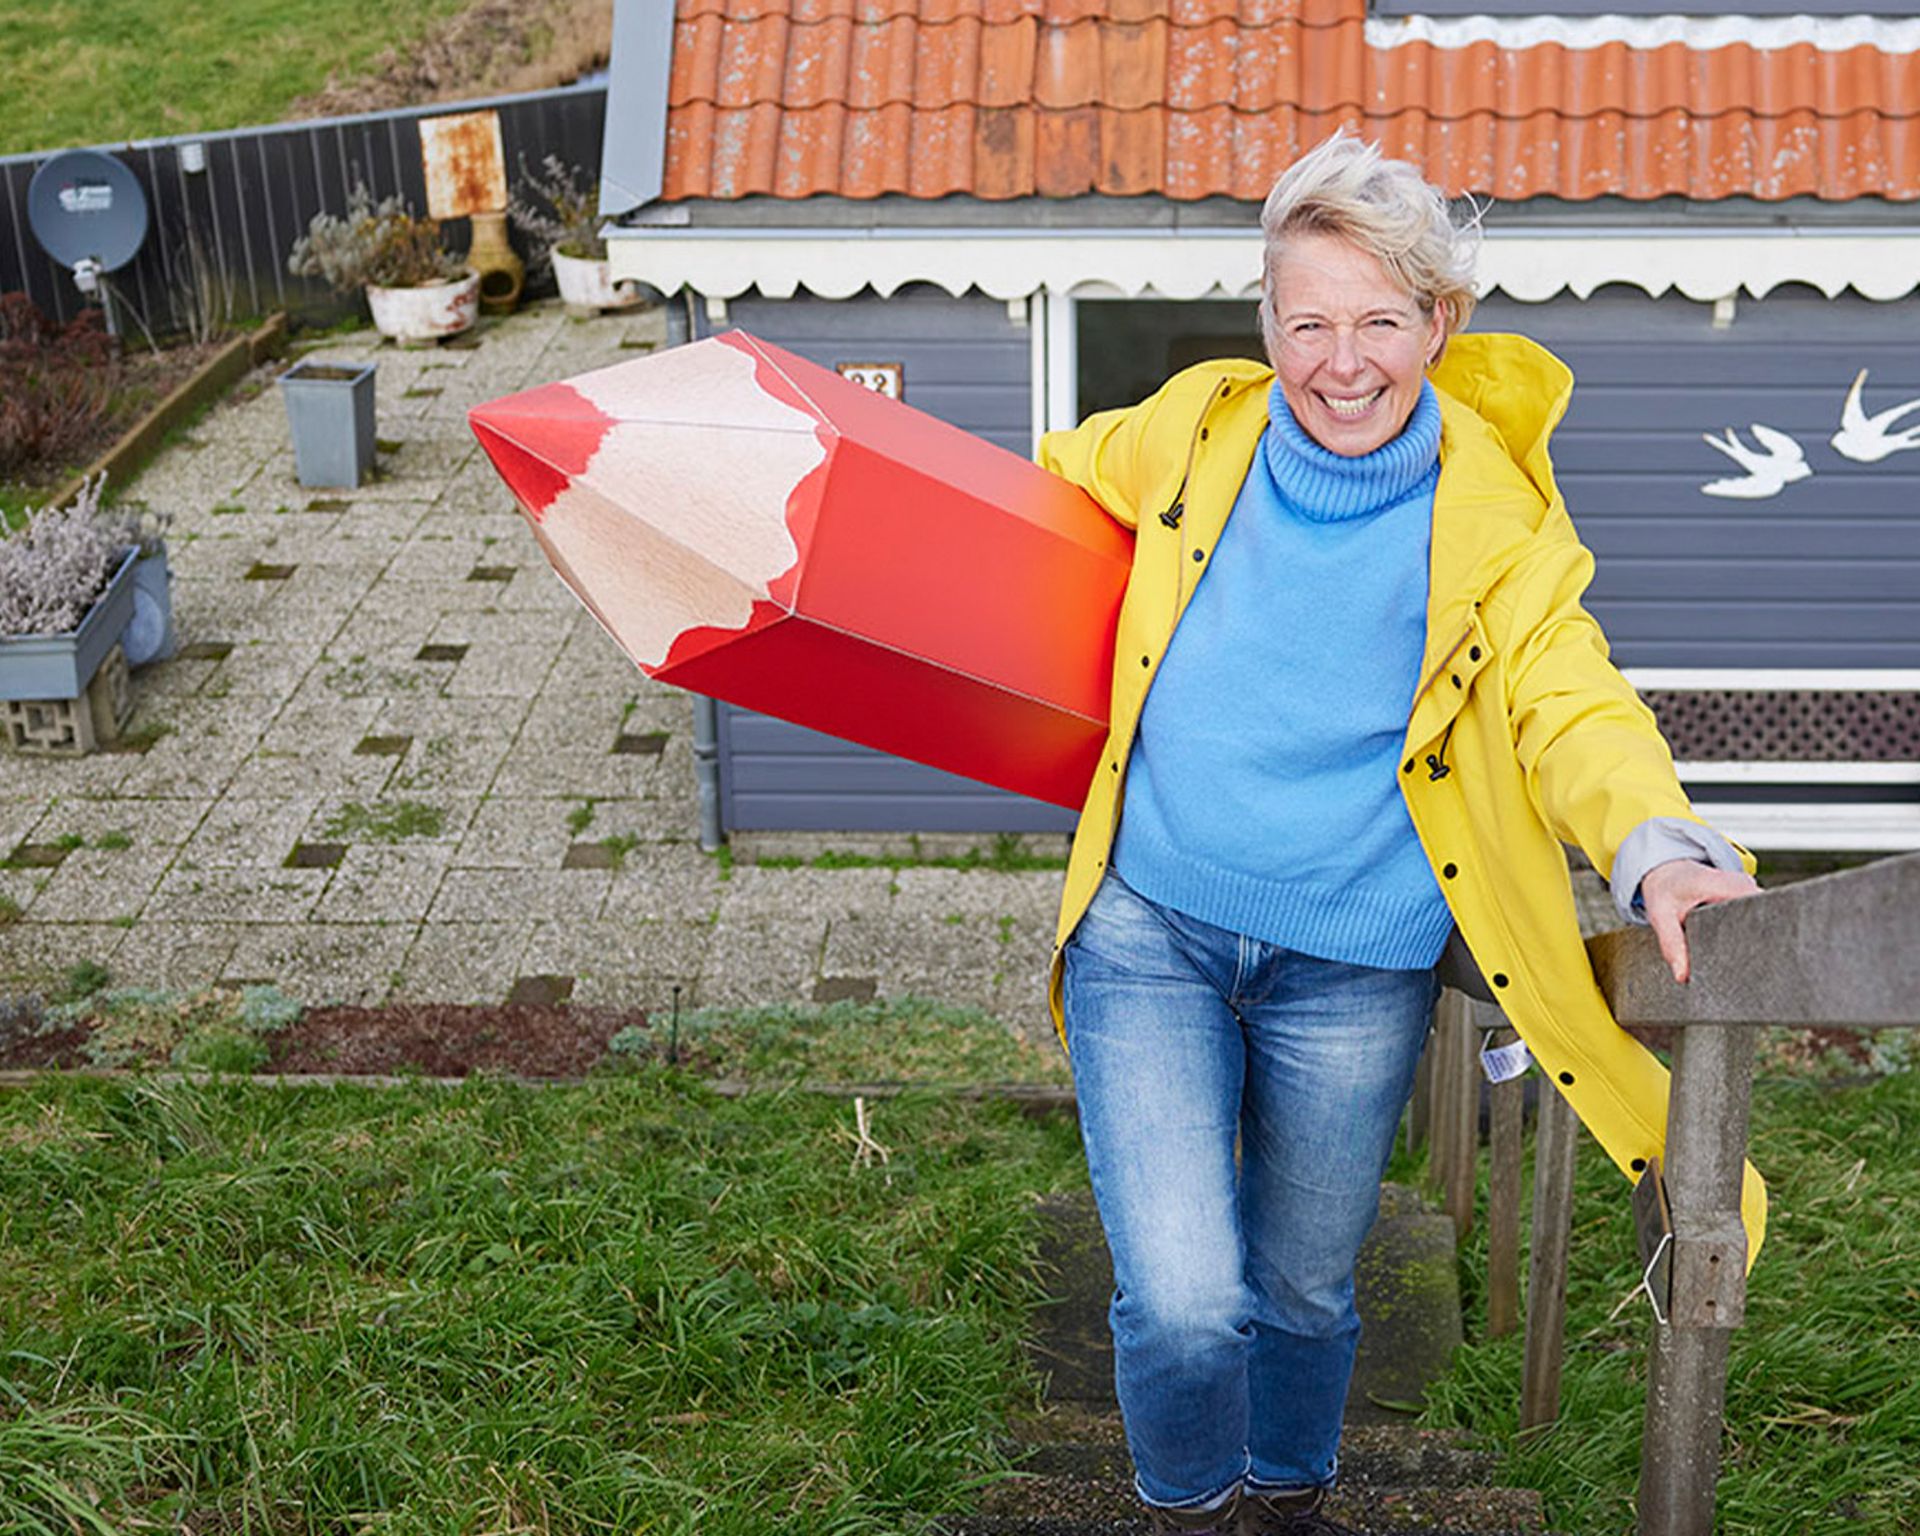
x,y
750,526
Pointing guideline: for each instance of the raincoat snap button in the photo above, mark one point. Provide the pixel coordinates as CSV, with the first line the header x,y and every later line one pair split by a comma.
x,y
1456,679
1199,555
1146,661
1567,1078
1499,978
1409,766
1203,434
1639,1165
1449,870
1474,654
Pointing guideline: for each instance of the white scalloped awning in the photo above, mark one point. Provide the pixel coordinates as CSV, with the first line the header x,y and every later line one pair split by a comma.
x,y
1531,266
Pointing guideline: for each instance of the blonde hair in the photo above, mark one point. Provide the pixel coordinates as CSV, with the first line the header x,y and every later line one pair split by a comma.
x,y
1346,187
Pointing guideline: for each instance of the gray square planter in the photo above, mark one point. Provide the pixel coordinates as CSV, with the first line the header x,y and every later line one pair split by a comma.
x,y
330,409
61,666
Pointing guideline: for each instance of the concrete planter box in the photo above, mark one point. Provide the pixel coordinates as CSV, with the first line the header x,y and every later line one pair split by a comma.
x,y
330,409
61,666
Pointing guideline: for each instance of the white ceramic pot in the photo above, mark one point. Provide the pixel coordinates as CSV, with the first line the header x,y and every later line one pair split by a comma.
x,y
428,312
588,285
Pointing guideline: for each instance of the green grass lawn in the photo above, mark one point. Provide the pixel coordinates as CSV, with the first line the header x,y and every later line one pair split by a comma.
x,y
96,71
1823,1398
629,1307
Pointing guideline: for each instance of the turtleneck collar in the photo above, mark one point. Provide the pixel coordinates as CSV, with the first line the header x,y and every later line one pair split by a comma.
x,y
1325,487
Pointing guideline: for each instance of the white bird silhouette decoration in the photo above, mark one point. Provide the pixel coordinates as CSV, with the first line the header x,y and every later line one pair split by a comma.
x,y
1869,439
1767,474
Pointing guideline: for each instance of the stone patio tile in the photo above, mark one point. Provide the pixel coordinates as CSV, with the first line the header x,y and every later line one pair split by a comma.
x,y
563,763
219,607
21,888
662,881
473,962
196,760
753,962
249,833
601,948
419,469
291,774
183,956
504,667
19,815
31,776
180,677
518,832
449,592
651,994
814,893
96,885
433,555
311,724
977,962
364,677
384,883
321,963
236,895
334,819
383,523
498,895
35,956
1030,896
456,745
146,823
537,588
380,625
479,489
316,600
456,521
270,669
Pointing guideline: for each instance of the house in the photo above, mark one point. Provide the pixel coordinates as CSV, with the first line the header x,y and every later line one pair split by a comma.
x,y
1018,211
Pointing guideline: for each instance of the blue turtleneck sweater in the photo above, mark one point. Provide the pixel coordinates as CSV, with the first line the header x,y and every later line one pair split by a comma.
x,y
1262,793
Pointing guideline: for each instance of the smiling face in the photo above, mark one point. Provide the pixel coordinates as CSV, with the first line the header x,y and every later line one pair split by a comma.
x,y
1350,344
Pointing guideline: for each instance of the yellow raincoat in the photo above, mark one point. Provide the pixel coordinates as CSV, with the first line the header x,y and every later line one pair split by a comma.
x,y
1522,735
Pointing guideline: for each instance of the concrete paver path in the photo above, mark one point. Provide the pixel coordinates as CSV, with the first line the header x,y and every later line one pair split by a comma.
x,y
396,760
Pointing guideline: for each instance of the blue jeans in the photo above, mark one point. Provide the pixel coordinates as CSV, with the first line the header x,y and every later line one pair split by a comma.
x,y
1234,1327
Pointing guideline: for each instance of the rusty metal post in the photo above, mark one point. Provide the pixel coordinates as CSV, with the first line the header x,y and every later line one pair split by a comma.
x,y
1503,1201
1707,1118
1553,1147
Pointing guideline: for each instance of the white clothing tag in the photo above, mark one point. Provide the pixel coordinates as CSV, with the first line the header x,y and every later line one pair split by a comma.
x,y
1503,1063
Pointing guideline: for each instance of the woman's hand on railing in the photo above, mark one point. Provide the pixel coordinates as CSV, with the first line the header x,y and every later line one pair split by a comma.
x,y
1671,890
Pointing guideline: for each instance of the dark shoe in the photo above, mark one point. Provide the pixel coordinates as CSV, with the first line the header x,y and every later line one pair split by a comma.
x,y
1224,1521
1288,1514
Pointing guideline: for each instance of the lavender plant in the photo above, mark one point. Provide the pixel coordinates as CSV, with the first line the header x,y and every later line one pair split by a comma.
x,y
52,571
560,210
384,243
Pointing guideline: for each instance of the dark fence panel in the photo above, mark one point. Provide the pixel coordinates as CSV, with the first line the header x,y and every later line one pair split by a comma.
x,y
260,188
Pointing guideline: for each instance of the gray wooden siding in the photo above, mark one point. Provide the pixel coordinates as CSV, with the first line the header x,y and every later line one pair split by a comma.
x,y
965,361
1826,573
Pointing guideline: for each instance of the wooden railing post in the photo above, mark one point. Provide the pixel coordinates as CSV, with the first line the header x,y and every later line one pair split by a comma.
x,y
1455,1093
1504,1134
1687,1377
1553,1147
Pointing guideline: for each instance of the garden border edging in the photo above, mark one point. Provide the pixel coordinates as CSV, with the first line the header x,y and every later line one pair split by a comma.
x,y
132,449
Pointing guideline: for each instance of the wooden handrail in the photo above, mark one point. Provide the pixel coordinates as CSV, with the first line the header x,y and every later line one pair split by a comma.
x,y
1839,951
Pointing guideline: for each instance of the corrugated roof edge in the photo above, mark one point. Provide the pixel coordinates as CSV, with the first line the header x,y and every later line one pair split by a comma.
x,y
633,150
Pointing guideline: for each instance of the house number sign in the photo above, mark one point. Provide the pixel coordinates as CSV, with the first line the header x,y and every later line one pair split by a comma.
x,y
889,379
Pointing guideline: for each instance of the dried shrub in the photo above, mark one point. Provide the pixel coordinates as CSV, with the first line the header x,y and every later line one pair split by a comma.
x,y
384,243
56,382
560,210
52,571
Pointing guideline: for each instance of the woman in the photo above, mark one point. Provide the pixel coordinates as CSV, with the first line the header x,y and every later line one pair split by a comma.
x,y
1363,709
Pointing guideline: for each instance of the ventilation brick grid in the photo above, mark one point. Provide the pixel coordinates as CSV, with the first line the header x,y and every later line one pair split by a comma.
x,y
1789,726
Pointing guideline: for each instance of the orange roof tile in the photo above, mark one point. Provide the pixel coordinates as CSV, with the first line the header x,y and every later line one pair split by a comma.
x,y
1199,98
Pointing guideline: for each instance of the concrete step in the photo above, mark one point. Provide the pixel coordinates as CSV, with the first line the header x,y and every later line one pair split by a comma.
x,y
1407,1289
1068,1507
1370,1457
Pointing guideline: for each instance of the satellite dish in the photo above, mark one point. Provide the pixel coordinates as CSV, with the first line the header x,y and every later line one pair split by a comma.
x,y
88,213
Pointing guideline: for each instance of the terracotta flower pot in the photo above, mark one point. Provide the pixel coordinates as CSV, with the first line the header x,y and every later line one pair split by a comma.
x,y
587,287
426,313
